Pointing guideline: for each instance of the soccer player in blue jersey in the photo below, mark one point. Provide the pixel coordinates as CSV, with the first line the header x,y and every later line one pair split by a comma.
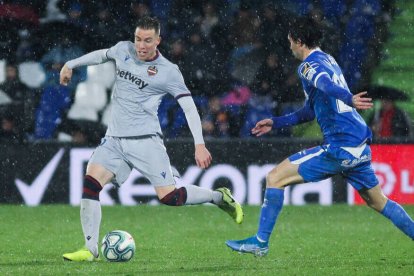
x,y
346,138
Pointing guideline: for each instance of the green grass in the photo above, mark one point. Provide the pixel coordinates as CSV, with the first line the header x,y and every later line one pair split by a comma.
x,y
309,240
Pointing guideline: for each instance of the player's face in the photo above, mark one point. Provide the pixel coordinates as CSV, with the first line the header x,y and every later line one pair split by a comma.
x,y
146,42
295,47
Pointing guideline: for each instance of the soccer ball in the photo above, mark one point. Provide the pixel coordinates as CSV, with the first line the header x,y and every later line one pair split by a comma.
x,y
118,246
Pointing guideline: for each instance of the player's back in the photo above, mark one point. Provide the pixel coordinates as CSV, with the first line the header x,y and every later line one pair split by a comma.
x,y
340,124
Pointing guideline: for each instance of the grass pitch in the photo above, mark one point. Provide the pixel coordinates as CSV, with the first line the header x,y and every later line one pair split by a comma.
x,y
309,240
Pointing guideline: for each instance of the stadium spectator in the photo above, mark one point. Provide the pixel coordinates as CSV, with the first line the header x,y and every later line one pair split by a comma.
x,y
177,53
200,69
271,78
215,121
134,138
390,121
345,149
23,99
182,17
209,19
244,42
10,132
230,53
272,30
235,102
104,31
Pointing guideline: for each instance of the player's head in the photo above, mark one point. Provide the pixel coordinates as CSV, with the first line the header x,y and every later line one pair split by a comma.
x,y
304,33
147,37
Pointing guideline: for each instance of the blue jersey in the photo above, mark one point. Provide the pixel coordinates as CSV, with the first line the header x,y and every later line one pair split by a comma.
x,y
330,101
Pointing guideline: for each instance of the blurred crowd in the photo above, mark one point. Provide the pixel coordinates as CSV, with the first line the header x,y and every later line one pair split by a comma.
x,y
234,56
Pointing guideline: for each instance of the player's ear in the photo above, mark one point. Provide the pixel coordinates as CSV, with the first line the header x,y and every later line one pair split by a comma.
x,y
158,40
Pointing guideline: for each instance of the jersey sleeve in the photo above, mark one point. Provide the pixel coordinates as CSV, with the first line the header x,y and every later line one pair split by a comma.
x,y
303,115
316,75
176,85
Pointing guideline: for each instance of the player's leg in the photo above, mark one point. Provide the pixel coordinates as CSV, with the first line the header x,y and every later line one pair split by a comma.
x,y
104,161
191,195
305,166
390,209
149,156
363,179
90,212
281,176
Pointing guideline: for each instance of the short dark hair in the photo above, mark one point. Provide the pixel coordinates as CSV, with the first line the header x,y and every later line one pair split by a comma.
x,y
307,31
149,23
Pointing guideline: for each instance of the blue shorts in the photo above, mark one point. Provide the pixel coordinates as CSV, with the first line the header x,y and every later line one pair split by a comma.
x,y
322,162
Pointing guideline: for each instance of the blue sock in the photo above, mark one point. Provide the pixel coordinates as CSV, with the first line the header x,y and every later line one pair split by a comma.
x,y
272,204
394,212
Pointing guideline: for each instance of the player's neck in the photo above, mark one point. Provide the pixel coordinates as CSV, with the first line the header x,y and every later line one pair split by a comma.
x,y
307,52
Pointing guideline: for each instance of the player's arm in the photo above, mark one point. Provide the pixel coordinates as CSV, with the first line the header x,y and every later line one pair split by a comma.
x,y
202,155
92,58
305,114
326,85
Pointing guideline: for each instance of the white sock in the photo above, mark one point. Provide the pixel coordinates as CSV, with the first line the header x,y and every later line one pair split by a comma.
x,y
199,195
91,214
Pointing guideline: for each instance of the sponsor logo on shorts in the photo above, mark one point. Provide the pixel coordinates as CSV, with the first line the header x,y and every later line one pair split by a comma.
x,y
352,163
163,174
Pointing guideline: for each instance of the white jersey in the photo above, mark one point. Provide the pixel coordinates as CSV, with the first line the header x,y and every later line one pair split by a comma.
x,y
138,90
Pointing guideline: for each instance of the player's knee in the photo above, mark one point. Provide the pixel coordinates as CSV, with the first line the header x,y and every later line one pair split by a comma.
x,y
374,198
91,188
377,205
273,179
177,197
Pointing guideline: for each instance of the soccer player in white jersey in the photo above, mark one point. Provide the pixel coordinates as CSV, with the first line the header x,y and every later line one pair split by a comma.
x,y
345,149
134,138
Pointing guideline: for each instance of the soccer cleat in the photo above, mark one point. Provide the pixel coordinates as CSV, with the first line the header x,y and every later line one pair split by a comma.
x,y
82,255
250,245
230,205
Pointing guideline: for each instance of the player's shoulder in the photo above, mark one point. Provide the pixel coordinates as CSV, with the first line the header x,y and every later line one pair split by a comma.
x,y
124,45
121,49
163,61
315,63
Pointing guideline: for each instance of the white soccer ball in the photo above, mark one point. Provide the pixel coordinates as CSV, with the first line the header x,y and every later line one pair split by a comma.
x,y
118,246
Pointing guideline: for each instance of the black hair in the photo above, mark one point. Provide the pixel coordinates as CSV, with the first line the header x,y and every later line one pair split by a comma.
x,y
149,23
306,31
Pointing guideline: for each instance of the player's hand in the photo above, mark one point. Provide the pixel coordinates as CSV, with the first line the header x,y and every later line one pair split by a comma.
x,y
262,127
361,102
202,156
65,75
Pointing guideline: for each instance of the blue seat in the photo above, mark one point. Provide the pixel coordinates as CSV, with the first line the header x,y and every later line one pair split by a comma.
x,y
54,101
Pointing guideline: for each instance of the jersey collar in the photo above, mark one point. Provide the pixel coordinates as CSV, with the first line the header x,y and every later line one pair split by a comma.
x,y
157,54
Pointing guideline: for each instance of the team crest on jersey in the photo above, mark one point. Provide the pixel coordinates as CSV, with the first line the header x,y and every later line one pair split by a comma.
x,y
307,71
152,70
